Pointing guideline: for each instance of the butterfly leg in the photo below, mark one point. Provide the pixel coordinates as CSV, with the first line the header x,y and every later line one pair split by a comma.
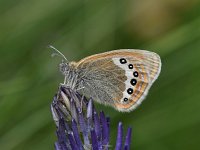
x,y
65,79
81,98
81,104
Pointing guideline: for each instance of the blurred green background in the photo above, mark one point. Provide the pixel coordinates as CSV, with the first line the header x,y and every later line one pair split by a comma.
x,y
169,118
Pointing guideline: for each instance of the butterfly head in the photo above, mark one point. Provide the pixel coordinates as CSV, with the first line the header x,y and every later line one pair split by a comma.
x,y
64,68
71,75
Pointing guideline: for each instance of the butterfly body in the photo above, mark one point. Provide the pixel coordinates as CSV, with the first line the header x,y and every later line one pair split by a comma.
x,y
119,78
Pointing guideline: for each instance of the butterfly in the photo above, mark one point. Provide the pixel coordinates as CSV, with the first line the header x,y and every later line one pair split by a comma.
x,y
119,78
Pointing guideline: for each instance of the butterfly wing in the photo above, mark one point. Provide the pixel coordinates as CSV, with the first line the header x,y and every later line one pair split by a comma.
x,y
120,78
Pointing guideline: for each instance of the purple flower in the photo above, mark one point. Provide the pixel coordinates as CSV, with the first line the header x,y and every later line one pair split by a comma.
x,y
80,126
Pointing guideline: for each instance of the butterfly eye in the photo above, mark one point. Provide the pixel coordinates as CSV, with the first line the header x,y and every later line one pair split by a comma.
x,y
135,74
133,81
130,91
123,61
130,66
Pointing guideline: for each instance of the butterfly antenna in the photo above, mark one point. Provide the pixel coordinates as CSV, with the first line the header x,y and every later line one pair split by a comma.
x,y
57,53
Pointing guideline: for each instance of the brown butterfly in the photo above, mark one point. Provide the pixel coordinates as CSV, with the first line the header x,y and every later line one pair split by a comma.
x,y
119,78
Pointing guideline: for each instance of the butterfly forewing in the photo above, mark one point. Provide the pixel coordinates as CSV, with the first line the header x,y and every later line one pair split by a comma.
x,y
119,78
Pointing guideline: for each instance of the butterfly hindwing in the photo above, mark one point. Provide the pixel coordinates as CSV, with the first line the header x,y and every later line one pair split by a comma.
x,y
119,78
